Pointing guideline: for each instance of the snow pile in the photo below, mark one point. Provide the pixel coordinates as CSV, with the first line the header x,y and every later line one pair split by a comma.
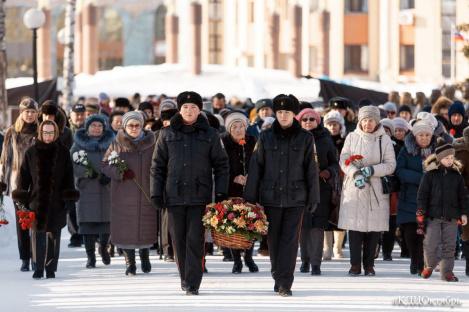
x,y
172,79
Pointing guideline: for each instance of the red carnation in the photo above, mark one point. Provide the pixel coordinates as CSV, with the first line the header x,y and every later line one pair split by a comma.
x,y
242,142
128,175
452,132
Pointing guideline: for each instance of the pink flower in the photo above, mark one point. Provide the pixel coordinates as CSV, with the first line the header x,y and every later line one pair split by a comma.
x,y
231,216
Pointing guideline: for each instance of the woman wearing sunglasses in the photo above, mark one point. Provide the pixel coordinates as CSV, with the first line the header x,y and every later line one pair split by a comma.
x,y
312,234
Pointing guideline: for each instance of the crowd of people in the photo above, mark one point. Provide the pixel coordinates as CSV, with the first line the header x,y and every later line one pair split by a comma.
x,y
127,175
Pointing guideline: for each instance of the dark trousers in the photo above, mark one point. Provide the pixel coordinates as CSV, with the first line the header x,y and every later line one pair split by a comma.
x,y
414,244
90,242
72,225
46,250
247,254
311,244
283,239
187,234
165,235
363,243
389,237
24,239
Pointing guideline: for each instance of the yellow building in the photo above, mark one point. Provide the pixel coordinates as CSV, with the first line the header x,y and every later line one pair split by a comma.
x,y
380,40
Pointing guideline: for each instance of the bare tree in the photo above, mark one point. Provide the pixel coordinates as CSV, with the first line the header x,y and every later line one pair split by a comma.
x,y
69,52
3,69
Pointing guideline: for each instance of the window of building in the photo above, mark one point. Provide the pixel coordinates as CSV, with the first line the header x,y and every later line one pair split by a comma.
x,y
160,35
406,58
407,4
356,6
356,58
215,28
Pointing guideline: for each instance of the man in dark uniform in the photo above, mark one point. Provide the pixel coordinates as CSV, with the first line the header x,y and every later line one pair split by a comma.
x,y
283,177
188,153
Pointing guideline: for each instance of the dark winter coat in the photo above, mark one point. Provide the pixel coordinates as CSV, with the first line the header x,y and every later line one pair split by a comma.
x,y
183,162
133,217
283,172
456,131
338,142
409,170
327,160
46,183
14,148
462,155
442,193
95,202
239,157
1,143
256,128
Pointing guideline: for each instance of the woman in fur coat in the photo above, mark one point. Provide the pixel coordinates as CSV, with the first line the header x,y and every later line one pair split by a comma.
x,y
18,138
45,186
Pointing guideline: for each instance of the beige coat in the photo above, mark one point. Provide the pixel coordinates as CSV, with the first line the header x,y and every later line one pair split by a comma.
x,y
366,210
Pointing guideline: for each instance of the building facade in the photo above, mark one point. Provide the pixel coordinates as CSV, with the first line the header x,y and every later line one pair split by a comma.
x,y
380,40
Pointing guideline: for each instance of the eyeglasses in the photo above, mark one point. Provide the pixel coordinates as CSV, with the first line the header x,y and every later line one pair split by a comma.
x,y
135,126
96,126
48,132
310,119
391,113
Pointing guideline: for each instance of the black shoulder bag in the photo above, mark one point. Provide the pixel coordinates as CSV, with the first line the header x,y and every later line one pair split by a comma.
x,y
390,183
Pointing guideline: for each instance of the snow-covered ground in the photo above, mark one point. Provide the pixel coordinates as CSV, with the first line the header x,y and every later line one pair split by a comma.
x,y
108,289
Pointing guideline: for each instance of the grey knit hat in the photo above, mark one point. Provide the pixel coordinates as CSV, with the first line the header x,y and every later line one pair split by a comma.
x,y
386,122
390,107
168,104
133,115
421,126
234,117
401,123
369,111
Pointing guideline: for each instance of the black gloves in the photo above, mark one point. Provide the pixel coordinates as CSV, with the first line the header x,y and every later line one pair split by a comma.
x,y
312,208
157,203
219,197
104,179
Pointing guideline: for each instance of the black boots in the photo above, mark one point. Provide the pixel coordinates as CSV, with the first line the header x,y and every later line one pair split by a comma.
x,y
237,267
252,266
105,256
24,266
131,268
90,241
304,268
315,270
145,259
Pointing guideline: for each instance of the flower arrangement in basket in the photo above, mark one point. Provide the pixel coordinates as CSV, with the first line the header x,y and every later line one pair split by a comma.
x,y
235,223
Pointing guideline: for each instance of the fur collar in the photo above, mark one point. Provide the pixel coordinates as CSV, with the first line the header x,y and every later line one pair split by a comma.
x,y
201,122
412,147
83,141
295,128
431,163
128,146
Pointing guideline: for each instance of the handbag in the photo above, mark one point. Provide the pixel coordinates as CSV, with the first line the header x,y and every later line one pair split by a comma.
x,y
389,183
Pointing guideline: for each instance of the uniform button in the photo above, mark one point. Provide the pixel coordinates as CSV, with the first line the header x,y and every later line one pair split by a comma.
x,y
185,183
281,171
185,165
281,153
185,145
281,188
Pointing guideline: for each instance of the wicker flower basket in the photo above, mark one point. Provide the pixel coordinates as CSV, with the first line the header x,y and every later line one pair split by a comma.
x,y
233,241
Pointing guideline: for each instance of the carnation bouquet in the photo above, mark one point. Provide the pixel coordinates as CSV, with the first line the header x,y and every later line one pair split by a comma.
x,y
81,158
235,219
26,217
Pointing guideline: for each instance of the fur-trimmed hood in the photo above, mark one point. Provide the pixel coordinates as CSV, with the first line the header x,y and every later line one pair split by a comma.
x,y
412,147
431,163
83,141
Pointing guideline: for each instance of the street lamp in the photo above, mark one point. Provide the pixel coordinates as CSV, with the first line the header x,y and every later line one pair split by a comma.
x,y
34,19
